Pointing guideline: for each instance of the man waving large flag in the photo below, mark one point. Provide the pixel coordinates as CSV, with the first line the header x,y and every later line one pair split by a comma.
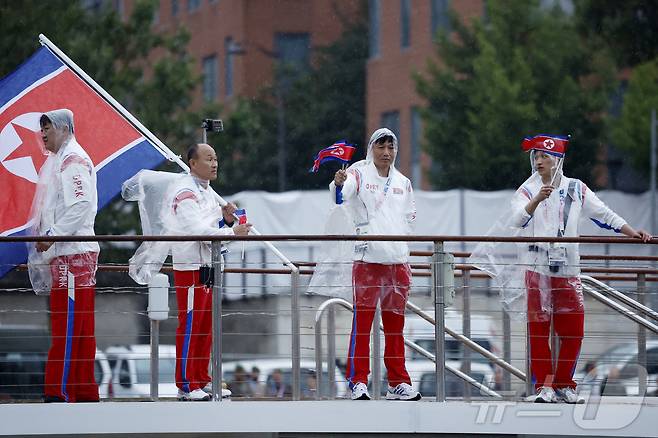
x,y
116,142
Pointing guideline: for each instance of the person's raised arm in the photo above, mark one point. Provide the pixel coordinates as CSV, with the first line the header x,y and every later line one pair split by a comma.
x,y
345,185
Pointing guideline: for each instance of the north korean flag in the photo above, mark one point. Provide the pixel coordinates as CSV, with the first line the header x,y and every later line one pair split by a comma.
x,y
339,151
44,83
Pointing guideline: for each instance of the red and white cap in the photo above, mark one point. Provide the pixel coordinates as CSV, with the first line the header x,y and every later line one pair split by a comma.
x,y
551,144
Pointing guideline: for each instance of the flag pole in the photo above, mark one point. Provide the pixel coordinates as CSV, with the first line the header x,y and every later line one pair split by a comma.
x,y
164,150
168,153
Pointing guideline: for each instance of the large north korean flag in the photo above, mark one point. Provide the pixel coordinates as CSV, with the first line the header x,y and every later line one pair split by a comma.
x,y
116,147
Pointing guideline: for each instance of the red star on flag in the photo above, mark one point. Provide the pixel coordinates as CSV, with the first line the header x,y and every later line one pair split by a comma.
x,y
30,147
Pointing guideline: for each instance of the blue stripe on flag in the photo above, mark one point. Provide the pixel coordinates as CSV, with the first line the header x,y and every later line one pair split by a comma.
x,y
109,179
41,64
12,253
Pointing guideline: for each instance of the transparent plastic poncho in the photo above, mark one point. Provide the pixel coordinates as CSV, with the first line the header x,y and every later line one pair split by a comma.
x,y
516,267
41,269
153,191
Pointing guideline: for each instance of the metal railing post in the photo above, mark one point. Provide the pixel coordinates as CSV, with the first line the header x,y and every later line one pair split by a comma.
x,y
158,310
331,351
642,338
376,356
507,350
439,306
217,321
155,355
466,327
296,342
529,386
318,359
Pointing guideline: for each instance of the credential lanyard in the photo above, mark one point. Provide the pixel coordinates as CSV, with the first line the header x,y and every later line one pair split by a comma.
x,y
382,198
567,208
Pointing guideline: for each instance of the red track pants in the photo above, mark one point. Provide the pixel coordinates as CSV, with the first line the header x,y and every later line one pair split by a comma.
x,y
566,309
193,335
70,365
374,282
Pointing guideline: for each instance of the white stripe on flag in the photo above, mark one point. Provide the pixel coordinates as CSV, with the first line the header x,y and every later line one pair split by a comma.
x,y
32,87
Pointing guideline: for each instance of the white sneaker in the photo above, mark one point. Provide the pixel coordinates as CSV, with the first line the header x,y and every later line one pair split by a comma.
x,y
568,395
226,393
360,392
196,395
403,391
199,395
545,394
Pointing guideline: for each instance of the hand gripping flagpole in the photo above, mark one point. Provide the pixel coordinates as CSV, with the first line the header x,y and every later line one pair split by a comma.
x,y
163,149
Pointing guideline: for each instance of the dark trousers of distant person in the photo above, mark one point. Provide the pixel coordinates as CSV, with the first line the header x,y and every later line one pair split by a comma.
x,y
70,366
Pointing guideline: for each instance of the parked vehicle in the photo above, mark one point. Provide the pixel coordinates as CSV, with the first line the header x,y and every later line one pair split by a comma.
x,y
131,371
23,354
275,378
423,378
421,332
616,371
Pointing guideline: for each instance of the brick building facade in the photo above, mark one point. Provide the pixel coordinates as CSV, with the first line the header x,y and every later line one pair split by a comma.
x,y
235,44
401,41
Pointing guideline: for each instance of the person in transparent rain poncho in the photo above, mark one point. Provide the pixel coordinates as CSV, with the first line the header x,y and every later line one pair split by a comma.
x,y
542,279
378,199
65,204
184,204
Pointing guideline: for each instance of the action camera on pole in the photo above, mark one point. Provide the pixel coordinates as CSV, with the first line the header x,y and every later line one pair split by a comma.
x,y
211,125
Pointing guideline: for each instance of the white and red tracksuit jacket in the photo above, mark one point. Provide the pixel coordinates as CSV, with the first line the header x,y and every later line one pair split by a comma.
x,y
379,205
548,221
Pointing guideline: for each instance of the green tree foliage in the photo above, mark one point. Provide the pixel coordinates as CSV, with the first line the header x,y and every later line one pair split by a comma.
x,y
324,105
526,71
629,27
631,131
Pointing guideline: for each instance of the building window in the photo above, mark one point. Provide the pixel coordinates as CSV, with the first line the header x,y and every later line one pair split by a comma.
x,y
416,129
440,17
565,6
391,120
156,13
373,32
120,8
228,66
210,78
405,28
292,56
193,5
175,7
92,6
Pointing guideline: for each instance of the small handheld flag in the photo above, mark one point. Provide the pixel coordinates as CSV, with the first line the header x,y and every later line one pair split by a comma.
x,y
242,216
339,151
